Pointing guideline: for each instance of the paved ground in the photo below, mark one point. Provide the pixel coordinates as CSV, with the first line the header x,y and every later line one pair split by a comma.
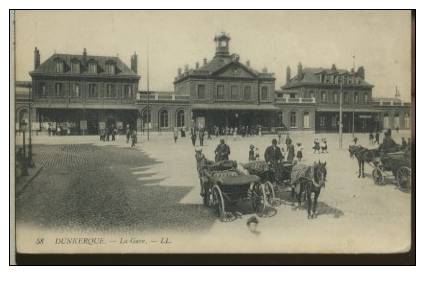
x,y
87,186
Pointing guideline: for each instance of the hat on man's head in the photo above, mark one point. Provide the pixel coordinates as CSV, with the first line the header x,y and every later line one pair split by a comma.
x,y
222,140
274,141
251,146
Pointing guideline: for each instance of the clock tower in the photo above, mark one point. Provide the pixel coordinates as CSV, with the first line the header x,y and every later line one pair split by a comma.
x,y
222,44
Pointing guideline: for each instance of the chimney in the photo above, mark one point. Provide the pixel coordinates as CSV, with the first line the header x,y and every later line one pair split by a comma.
x,y
133,63
36,58
248,63
205,61
300,70
264,70
288,74
186,68
333,67
84,56
179,71
197,65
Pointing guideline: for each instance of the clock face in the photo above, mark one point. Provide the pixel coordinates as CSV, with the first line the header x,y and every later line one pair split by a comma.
x,y
223,43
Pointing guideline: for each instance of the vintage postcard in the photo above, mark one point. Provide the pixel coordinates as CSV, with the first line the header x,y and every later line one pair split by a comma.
x,y
212,131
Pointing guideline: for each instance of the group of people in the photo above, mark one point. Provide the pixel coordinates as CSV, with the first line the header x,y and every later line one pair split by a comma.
x,y
234,131
320,146
111,134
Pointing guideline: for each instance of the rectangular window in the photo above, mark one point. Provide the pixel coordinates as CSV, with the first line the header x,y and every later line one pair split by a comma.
x,y
322,121
92,90
110,68
336,97
306,120
201,91
346,99
43,90
334,121
234,94
59,66
92,67
292,95
110,90
293,120
58,89
128,91
356,98
323,97
264,95
220,92
247,93
75,90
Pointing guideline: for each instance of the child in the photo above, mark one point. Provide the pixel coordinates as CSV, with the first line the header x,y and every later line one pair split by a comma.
x,y
324,146
316,146
251,154
299,151
257,154
355,139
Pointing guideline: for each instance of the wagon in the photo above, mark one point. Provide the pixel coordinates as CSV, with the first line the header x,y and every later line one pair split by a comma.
x,y
271,176
397,165
223,185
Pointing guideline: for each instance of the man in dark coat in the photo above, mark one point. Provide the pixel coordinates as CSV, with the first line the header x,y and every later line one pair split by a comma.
x,y
388,144
193,135
222,151
288,141
273,154
201,136
291,152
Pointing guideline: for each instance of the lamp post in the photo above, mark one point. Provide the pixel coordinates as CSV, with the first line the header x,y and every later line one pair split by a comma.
x,y
30,161
24,161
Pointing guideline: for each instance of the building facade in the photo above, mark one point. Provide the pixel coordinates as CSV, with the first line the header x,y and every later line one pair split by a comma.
x,y
227,93
84,93
324,88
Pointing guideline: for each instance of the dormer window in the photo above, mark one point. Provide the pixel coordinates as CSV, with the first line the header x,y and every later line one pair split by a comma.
x,y
92,67
59,66
75,66
110,67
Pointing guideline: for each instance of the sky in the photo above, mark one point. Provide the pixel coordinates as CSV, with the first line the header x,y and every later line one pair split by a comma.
x,y
379,40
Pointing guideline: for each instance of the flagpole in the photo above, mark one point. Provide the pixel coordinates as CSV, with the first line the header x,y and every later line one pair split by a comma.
x,y
148,115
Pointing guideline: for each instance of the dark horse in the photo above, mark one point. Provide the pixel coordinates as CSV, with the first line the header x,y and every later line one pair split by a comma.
x,y
310,186
362,155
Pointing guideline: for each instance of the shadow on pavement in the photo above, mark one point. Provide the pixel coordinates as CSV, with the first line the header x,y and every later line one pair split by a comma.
x,y
104,188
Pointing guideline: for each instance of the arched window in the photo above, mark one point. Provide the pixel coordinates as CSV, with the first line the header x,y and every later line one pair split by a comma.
x,y
180,118
407,121
306,120
147,119
386,121
396,121
163,119
323,97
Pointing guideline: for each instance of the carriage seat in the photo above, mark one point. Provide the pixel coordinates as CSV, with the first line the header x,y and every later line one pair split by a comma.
x,y
233,177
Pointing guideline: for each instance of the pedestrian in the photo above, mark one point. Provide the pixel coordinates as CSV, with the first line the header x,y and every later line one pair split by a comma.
x,y
193,135
355,139
370,138
49,130
127,133
251,154
133,138
114,132
235,133
299,151
209,133
288,141
222,151
259,131
316,146
108,134
175,134
377,137
291,152
324,145
279,138
201,136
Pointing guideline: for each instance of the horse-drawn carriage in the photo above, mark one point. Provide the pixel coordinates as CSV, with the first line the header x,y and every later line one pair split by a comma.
x,y
397,165
223,185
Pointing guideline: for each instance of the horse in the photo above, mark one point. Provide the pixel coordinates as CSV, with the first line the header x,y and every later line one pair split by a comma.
x,y
312,185
362,155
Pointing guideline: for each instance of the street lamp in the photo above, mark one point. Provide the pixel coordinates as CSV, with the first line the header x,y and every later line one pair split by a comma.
x,y
30,161
24,163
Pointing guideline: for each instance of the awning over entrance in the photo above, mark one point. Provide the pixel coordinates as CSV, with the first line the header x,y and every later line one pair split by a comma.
x,y
247,107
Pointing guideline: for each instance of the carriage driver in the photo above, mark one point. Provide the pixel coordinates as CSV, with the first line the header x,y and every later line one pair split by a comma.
x,y
222,151
388,144
273,155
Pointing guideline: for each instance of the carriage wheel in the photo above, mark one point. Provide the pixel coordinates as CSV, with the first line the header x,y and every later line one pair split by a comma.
x,y
271,195
259,199
378,178
218,202
404,177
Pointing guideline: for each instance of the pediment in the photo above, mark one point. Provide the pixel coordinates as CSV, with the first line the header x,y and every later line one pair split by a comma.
x,y
236,70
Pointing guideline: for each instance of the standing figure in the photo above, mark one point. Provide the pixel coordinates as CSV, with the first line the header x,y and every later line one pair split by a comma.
x,y
324,145
127,133
355,139
316,146
288,141
299,151
251,155
403,143
193,135
291,152
133,138
377,137
175,134
370,138
114,133
201,136
222,151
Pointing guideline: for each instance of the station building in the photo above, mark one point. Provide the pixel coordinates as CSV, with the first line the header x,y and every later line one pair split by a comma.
x,y
85,93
